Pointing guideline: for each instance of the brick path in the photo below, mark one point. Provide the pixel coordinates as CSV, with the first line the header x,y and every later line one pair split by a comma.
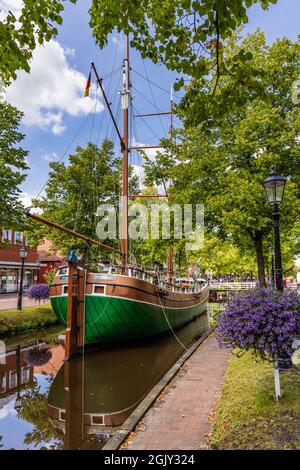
x,y
10,301
181,417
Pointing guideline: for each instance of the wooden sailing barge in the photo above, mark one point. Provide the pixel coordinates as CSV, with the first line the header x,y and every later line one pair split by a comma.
x,y
122,303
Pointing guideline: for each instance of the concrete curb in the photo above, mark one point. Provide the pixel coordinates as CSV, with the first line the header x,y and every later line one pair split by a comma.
x,y
129,425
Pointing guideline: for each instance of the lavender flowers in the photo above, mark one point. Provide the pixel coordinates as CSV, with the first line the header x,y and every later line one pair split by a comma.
x,y
264,321
39,292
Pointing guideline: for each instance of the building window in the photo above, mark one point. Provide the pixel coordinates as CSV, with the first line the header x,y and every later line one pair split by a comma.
x,y
25,375
19,238
13,379
6,235
8,280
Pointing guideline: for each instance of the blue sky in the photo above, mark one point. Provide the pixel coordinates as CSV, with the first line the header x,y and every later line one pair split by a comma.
x,y
51,96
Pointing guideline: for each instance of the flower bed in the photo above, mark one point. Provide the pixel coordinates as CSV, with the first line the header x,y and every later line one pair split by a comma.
x,y
264,321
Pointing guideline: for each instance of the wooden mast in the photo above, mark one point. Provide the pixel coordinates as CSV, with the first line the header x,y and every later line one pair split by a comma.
x,y
125,94
170,258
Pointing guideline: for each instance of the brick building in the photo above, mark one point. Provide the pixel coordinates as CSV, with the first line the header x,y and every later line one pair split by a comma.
x,y
37,262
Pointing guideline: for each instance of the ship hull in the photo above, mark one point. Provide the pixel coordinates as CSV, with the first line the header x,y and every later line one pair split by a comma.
x,y
120,308
113,319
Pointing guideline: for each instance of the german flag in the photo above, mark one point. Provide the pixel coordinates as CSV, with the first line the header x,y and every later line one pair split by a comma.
x,y
88,86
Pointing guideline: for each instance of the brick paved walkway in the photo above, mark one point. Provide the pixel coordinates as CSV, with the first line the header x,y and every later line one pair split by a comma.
x,y
181,417
10,301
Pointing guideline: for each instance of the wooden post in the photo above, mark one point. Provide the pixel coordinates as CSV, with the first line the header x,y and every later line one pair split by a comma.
x,y
170,265
76,310
277,381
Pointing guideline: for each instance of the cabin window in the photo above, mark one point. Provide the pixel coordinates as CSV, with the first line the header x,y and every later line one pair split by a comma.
x,y
62,415
65,290
62,271
100,290
97,419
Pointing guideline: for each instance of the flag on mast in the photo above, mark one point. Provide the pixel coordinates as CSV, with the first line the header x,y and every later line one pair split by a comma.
x,y
88,85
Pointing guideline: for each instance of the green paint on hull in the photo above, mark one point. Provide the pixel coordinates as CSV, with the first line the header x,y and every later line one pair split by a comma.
x,y
110,319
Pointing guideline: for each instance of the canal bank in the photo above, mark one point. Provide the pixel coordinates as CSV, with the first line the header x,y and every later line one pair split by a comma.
x,y
177,413
104,387
14,321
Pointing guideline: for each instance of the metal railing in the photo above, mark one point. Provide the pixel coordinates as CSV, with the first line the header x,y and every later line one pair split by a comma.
x,y
237,286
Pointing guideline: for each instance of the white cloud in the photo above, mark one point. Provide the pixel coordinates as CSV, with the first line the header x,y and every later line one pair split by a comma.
x,y
151,153
116,39
26,200
50,156
139,171
51,89
15,6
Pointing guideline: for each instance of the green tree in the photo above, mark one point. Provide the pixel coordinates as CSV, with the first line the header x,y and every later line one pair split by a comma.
x,y
74,192
20,36
226,156
177,33
12,165
33,410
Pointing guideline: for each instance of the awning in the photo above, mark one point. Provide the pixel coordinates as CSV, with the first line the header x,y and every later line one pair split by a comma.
x,y
16,265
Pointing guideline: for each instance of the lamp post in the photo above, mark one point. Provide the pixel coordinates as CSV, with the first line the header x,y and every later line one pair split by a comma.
x,y
38,265
23,254
274,188
272,273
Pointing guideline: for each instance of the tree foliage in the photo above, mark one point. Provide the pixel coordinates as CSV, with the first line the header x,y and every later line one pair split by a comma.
x,y
178,33
74,192
20,35
12,165
34,410
226,156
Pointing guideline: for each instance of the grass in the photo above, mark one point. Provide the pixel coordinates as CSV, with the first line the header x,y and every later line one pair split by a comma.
x,y
29,318
248,416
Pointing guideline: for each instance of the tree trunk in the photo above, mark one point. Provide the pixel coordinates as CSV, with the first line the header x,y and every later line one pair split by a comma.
x,y
258,243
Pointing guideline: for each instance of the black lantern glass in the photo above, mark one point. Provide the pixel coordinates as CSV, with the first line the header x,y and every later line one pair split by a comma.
x,y
274,186
23,252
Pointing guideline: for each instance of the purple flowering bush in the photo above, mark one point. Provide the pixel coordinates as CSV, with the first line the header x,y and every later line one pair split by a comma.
x,y
38,292
38,356
264,321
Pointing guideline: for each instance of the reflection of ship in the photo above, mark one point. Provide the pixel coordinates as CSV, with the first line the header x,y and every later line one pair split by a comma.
x,y
94,394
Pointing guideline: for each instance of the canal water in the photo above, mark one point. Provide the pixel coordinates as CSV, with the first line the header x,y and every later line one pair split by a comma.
x,y
46,403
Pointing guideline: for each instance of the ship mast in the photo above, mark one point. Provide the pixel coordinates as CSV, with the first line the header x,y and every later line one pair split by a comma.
x,y
125,97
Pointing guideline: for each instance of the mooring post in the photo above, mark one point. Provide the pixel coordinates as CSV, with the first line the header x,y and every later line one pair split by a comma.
x,y
75,332
72,325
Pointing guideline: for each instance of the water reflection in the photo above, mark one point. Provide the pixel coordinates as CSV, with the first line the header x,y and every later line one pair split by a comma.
x,y
46,403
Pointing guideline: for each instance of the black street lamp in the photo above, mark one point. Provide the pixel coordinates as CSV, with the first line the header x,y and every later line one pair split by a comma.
x,y
274,188
23,254
38,265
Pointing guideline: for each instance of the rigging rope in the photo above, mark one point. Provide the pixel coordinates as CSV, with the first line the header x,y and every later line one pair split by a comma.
x,y
151,91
